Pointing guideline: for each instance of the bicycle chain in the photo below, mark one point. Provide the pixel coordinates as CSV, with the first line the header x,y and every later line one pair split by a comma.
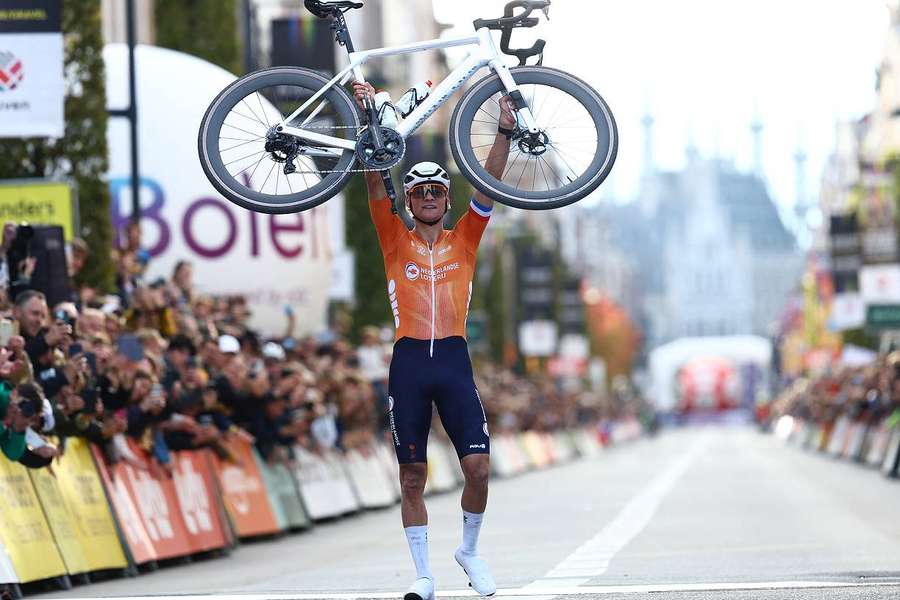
x,y
358,131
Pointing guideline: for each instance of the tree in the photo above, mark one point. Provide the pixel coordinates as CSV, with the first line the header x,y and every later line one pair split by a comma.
x,y
81,154
204,28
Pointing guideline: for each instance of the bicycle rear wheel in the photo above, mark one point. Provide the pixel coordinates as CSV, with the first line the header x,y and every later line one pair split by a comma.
x,y
572,155
244,159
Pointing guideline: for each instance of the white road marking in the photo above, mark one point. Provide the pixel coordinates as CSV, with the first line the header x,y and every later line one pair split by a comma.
x,y
532,593
593,557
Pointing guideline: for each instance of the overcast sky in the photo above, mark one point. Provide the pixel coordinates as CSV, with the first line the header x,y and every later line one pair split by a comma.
x,y
704,68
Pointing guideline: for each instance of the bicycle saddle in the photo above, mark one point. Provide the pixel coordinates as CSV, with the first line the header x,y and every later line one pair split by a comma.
x,y
324,9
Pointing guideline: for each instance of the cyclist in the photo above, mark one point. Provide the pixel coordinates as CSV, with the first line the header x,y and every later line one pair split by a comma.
x,y
429,272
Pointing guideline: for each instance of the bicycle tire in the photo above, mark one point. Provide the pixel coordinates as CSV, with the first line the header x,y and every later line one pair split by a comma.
x,y
245,197
470,167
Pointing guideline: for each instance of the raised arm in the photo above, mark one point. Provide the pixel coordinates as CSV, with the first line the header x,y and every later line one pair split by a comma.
x,y
499,153
387,224
374,183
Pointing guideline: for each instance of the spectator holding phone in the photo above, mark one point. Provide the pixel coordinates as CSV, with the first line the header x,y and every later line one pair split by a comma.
x,y
20,408
30,310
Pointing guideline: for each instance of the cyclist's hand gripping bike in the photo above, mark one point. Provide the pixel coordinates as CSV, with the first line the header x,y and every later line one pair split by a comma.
x,y
286,139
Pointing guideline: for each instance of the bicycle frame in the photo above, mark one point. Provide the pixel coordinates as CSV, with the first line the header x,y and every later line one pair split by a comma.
x,y
484,54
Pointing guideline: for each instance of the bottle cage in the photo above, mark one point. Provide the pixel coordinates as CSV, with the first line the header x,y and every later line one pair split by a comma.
x,y
510,21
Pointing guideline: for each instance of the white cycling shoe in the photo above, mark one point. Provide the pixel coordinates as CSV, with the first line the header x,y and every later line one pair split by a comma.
x,y
480,578
421,589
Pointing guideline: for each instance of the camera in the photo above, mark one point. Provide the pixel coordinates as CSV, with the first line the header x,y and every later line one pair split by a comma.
x,y
27,409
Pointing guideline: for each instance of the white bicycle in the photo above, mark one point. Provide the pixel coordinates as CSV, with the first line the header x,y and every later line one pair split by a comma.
x,y
286,139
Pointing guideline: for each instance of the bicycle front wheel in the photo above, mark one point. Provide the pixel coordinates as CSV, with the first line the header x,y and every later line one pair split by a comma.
x,y
572,153
256,167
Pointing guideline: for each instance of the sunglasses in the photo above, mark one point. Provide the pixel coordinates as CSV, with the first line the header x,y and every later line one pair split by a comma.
x,y
437,191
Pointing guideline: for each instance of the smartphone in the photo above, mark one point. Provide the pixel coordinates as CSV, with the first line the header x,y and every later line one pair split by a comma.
x,y
130,347
92,362
75,348
8,328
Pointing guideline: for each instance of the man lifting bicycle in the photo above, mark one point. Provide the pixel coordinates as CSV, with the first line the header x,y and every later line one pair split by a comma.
x,y
429,272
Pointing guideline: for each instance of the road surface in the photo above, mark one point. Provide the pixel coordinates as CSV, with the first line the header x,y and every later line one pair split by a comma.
x,y
699,513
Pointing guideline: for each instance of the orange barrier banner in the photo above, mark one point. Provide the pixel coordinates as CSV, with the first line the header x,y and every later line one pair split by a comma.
x,y
157,504
125,507
244,492
195,491
148,508
24,530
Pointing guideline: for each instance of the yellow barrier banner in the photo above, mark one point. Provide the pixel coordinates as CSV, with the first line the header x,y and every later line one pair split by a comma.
x,y
60,519
23,528
79,484
38,201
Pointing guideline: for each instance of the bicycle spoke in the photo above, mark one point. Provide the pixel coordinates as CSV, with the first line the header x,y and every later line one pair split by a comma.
x,y
262,187
252,112
571,170
547,183
510,166
493,118
558,178
239,129
231,162
241,144
255,120
263,108
250,180
222,137
524,168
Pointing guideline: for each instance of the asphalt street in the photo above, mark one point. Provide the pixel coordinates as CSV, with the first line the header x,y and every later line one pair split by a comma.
x,y
700,513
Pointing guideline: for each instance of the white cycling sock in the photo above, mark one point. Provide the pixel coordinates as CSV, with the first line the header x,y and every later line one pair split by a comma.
x,y
417,537
471,528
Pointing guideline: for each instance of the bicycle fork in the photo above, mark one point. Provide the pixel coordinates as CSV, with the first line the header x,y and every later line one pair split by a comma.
x,y
523,111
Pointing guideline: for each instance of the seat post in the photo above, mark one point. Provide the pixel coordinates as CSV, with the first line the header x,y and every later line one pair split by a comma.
x,y
341,33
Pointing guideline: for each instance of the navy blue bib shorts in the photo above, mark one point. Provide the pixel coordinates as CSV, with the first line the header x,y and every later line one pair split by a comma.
x,y
420,376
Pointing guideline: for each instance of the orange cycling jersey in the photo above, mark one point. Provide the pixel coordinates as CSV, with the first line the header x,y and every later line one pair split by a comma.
x,y
429,288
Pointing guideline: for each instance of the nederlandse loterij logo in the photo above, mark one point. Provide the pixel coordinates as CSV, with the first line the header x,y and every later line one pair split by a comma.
x,y
11,71
412,271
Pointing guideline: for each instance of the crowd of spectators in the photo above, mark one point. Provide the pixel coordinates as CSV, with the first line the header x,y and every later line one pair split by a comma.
x,y
174,369
865,394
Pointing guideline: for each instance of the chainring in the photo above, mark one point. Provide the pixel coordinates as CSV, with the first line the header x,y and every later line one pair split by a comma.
x,y
390,155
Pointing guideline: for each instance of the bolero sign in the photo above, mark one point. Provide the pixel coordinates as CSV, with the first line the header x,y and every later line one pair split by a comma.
x,y
273,260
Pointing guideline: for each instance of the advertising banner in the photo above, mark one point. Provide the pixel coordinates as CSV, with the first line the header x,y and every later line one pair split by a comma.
x,y
537,338
370,482
880,283
274,260
244,492
81,492
324,487
61,521
848,311
39,201
123,502
157,504
285,496
194,488
32,90
24,530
